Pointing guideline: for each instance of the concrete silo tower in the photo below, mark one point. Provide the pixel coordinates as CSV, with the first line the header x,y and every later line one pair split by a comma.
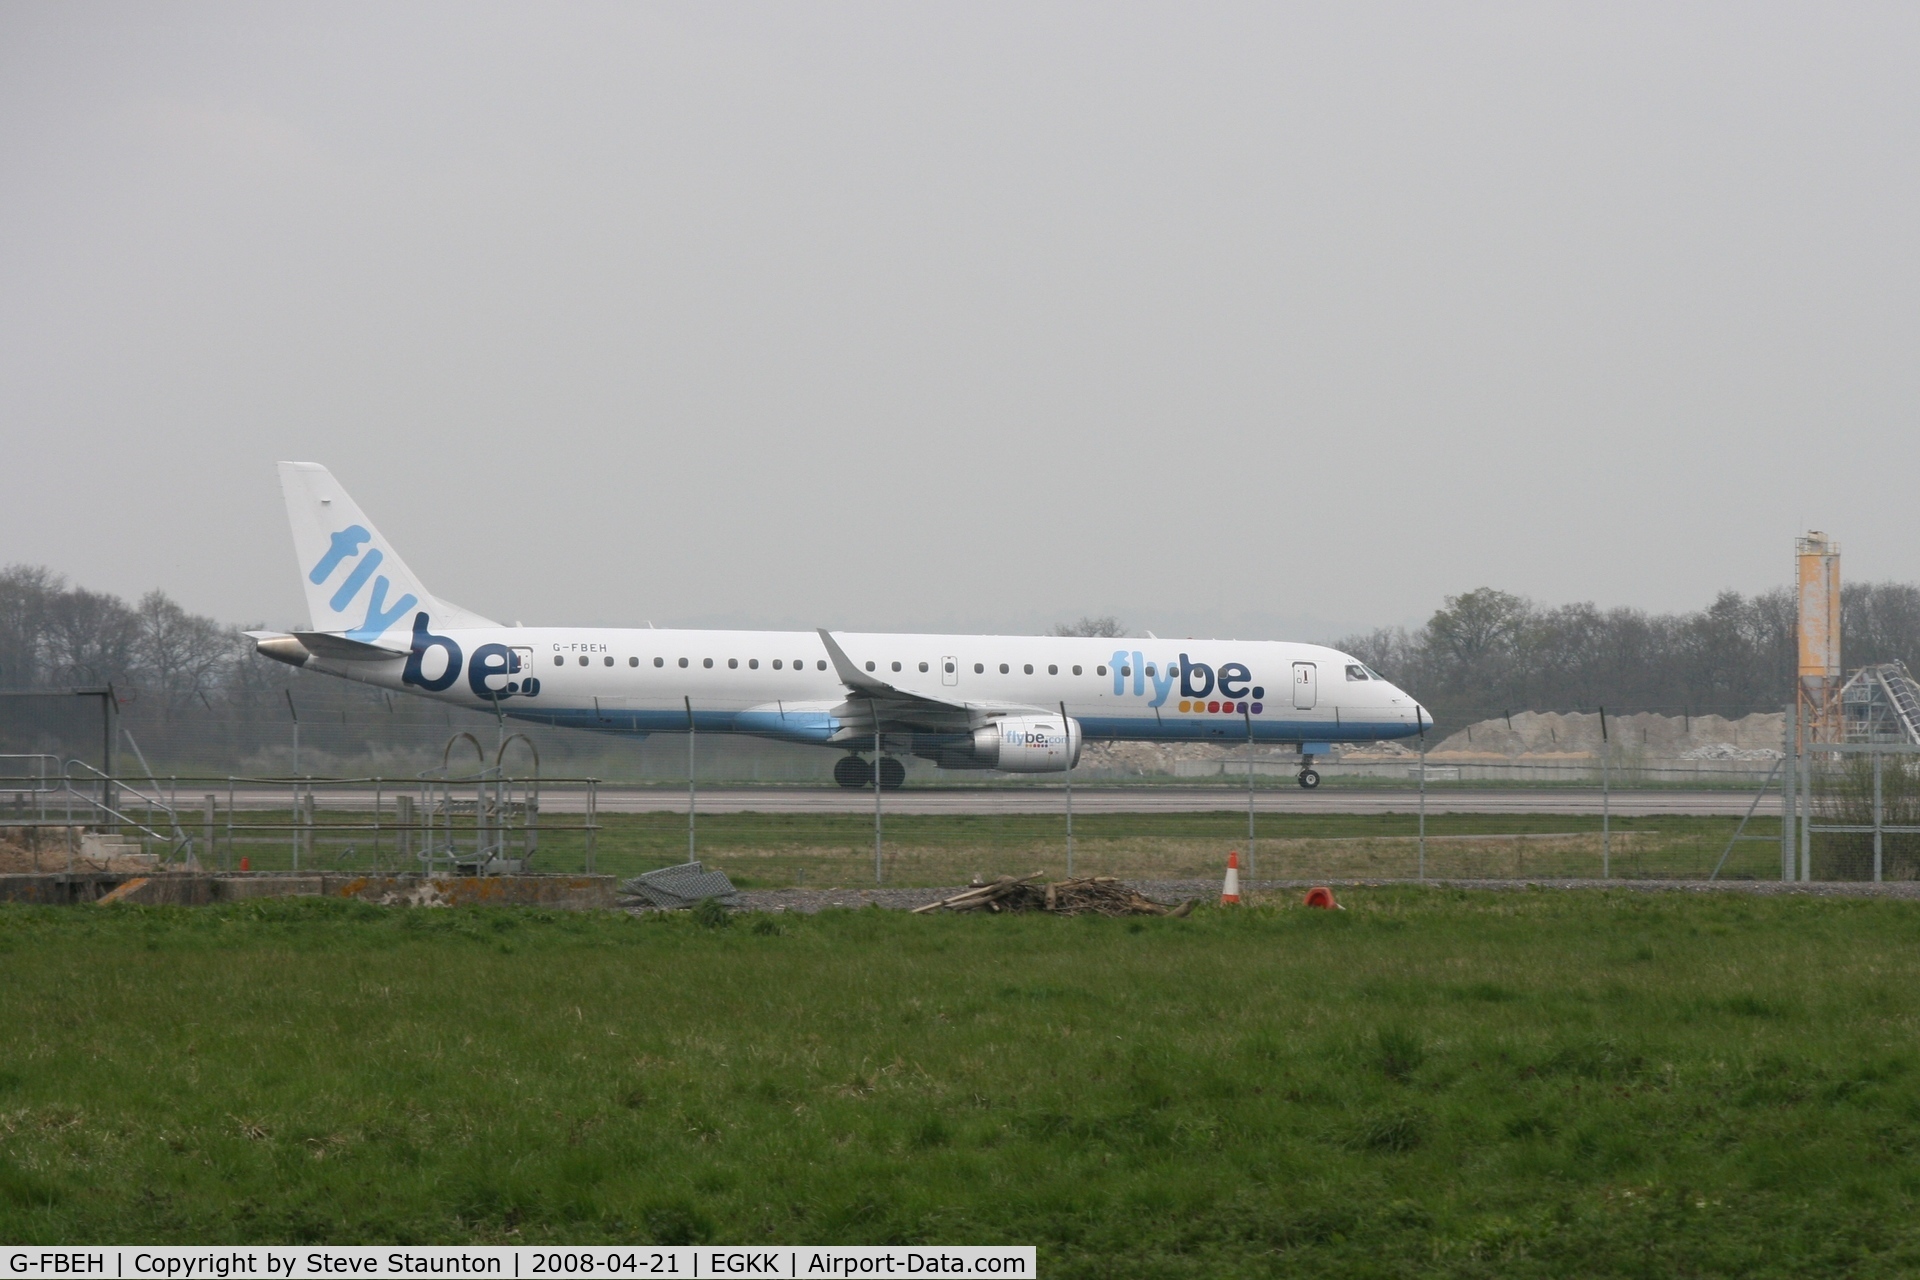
x,y
1818,718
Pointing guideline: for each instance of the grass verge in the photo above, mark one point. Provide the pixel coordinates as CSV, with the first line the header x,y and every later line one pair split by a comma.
x,y
1427,1083
763,850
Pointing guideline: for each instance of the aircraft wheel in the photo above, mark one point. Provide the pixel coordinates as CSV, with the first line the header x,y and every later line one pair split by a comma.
x,y
852,772
1309,779
893,774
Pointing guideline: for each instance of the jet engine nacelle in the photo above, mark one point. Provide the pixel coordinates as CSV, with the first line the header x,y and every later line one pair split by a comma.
x,y
1028,744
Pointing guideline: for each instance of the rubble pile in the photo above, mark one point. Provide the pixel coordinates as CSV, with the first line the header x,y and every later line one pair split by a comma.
x,y
1095,895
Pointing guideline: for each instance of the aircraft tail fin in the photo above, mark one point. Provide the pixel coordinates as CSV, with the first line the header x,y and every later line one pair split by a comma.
x,y
355,581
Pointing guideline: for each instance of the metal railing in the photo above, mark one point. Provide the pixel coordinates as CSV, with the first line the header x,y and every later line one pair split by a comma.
x,y
484,822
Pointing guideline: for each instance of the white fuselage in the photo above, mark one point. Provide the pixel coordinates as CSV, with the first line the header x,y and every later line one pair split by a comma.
x,y
782,684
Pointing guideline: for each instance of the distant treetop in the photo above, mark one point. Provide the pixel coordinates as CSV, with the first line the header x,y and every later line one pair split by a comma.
x,y
1103,626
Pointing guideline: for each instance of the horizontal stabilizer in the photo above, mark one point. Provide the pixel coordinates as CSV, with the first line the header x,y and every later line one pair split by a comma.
x,y
333,648
294,649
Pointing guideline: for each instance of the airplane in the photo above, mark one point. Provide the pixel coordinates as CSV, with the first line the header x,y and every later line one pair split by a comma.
x,y
1016,704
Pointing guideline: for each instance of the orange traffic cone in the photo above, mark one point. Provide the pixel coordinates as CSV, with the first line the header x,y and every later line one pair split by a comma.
x,y
1230,891
1322,897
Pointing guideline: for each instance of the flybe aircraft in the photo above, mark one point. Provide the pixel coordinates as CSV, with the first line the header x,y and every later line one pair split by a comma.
x,y
1019,704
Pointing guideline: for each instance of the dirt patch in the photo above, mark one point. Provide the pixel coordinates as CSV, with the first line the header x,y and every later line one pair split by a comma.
x,y
25,852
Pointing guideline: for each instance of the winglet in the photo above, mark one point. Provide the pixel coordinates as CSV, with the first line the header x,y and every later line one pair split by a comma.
x,y
850,675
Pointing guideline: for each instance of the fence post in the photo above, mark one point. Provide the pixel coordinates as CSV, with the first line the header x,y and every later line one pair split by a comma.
x,y
1251,841
207,807
1877,823
692,788
1789,799
1606,804
1423,808
403,821
1066,729
1806,815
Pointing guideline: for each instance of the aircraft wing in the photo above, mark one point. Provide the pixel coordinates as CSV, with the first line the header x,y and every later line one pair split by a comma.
x,y
901,709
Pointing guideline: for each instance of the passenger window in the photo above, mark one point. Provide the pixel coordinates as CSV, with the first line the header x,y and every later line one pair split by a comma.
x,y
559,661
753,664
1052,670
1003,668
706,662
979,668
1100,670
923,666
659,662
869,666
1076,668
1126,671
776,664
733,664
1149,671
947,667
896,667
608,661
1028,668
683,662
822,664
633,662
583,659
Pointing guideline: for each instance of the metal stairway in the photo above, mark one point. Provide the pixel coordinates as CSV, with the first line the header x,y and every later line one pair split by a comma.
x,y
1904,692
1882,704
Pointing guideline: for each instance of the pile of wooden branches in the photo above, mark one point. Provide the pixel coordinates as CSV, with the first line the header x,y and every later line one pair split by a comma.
x,y
1099,895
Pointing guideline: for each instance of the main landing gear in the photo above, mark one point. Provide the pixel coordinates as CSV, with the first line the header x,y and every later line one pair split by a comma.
x,y
1308,779
854,773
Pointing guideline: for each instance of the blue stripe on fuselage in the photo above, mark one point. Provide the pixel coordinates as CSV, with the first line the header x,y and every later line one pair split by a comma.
x,y
803,726
819,727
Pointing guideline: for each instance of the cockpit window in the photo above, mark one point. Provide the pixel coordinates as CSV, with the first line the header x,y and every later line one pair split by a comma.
x,y
1357,672
1375,674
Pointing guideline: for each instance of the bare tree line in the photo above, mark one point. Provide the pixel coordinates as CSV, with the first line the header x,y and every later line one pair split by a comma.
x,y
1488,651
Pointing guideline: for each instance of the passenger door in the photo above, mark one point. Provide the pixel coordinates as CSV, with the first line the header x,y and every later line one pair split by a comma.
x,y
1306,686
949,670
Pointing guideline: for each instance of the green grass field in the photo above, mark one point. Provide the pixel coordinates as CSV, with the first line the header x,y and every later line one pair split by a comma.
x,y
777,850
1429,1083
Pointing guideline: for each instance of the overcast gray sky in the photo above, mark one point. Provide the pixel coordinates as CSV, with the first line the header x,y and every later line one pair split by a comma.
x,y
1240,319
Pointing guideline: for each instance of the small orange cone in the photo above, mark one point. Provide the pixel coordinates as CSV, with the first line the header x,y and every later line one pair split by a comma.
x,y
1230,891
1320,896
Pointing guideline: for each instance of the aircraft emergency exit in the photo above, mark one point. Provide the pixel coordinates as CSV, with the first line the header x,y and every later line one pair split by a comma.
x,y
1019,704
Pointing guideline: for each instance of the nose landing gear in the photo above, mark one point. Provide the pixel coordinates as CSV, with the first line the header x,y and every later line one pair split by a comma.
x,y
1309,779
